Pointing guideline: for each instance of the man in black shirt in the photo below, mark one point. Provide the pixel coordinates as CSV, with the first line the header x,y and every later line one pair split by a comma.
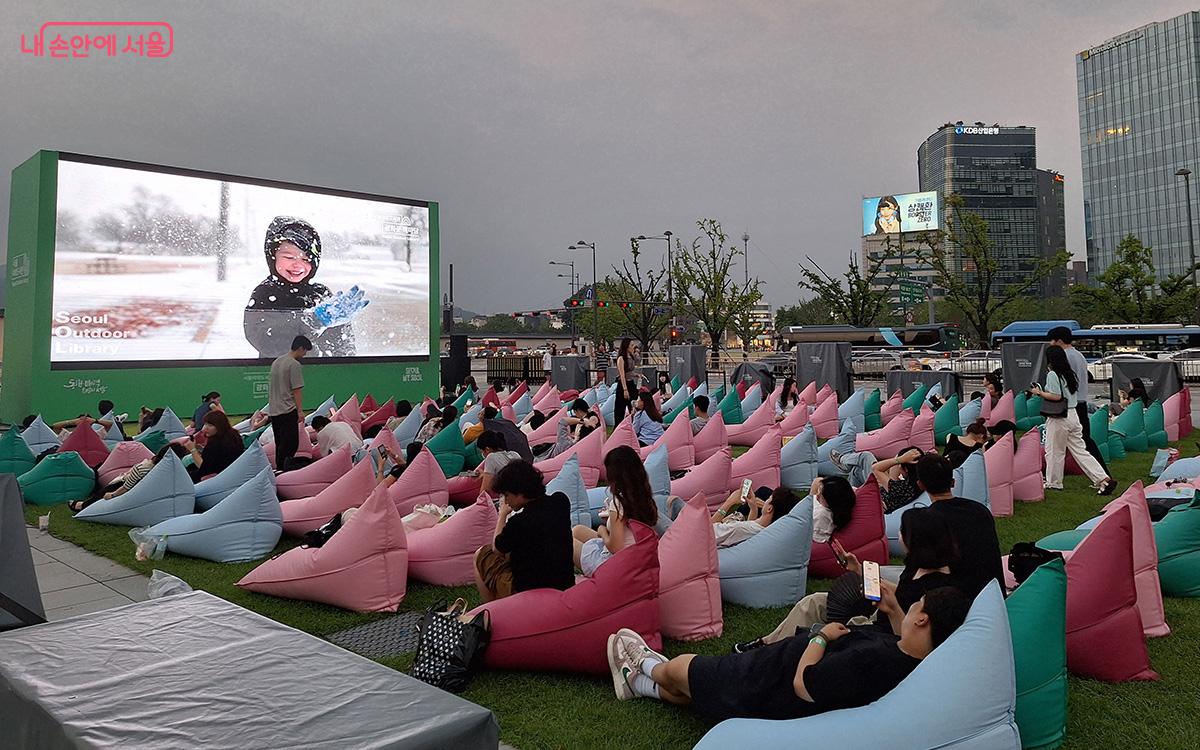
x,y
532,548
798,676
971,523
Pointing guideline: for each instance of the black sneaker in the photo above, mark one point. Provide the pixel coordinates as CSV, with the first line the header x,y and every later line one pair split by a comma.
x,y
743,647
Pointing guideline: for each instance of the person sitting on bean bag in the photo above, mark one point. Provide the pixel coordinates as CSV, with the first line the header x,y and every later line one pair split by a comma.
x,y
630,499
532,545
130,478
804,675
732,525
700,404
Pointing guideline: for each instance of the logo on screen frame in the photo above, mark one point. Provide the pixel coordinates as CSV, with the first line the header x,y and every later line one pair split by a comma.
x,y
18,269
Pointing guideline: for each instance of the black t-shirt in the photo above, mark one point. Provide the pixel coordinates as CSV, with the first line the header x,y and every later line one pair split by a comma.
x,y
974,530
537,540
856,669
216,457
909,590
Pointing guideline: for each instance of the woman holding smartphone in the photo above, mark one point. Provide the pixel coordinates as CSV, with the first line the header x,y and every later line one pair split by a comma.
x,y
1063,430
627,361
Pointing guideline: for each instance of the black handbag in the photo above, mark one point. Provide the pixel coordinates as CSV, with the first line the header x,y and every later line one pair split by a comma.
x,y
1026,557
450,647
1055,409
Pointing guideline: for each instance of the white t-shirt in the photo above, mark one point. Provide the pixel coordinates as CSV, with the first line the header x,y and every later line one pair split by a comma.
x,y
609,511
336,434
730,533
822,528
546,361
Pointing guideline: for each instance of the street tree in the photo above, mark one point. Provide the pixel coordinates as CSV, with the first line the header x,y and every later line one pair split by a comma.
x,y
1129,291
857,297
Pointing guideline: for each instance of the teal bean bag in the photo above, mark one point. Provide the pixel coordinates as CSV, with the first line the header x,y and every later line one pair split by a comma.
x,y
1131,426
945,420
155,440
449,449
872,420
245,525
1177,537
15,456
244,468
731,408
166,492
1034,409
916,399
1063,541
1098,427
58,478
770,569
1037,618
1156,431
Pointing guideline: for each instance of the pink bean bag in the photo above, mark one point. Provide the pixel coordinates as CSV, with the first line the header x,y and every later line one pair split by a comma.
x,y
824,418
387,439
1004,411
463,488
306,482
795,421
542,390
865,536
545,630
712,437
760,464
751,431
591,457
622,435
742,390
363,567
921,435
998,463
548,432
90,446
709,478
521,389
489,398
1171,415
351,414
1185,413
350,490
1028,485
422,482
508,413
369,403
381,415
890,408
568,396
549,400
444,555
304,449
985,408
121,459
681,456
689,591
890,439
809,394
1105,638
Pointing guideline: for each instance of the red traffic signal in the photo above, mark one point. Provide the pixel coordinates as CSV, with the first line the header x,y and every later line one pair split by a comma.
x,y
624,305
600,303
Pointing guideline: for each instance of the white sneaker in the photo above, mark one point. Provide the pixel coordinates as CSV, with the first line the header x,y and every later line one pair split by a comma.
x,y
636,649
622,669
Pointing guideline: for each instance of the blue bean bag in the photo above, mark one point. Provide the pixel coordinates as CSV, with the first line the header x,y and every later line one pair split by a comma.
x,y
961,696
969,412
970,479
407,430
770,569
472,415
678,397
245,525
753,399
608,409
524,406
1183,468
169,425
244,468
798,460
57,478
891,524
327,406
113,436
660,486
39,437
854,409
570,482
166,492
843,443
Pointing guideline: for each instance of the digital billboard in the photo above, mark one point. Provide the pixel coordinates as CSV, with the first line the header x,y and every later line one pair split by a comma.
x,y
163,267
906,212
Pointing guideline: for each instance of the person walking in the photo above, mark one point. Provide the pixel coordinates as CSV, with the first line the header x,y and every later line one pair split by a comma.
x,y
1062,337
284,403
1063,431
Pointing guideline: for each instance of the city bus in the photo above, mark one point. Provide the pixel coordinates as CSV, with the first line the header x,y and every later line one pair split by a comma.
x,y
1107,338
940,337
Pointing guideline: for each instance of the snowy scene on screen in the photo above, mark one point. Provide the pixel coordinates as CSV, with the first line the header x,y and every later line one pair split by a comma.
x,y
139,273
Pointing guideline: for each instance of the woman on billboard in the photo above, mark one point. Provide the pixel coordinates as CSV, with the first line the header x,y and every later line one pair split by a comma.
x,y
287,304
887,216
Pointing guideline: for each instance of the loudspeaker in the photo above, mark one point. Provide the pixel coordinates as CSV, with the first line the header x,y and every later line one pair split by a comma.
x,y
457,366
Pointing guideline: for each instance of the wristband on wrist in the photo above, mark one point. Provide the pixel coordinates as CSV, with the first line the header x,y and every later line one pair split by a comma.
x,y
819,639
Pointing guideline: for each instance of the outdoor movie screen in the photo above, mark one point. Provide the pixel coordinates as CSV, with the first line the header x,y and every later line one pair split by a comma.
x,y
159,267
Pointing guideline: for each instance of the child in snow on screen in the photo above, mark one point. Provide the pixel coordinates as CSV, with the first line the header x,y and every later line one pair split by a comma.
x,y
287,304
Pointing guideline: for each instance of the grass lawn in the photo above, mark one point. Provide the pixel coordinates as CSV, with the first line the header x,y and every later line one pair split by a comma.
x,y
562,711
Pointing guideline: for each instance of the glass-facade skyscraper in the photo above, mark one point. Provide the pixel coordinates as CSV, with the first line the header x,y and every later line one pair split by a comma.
x,y
1139,122
994,169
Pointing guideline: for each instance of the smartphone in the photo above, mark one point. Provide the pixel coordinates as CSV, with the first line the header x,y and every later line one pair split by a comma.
x,y
837,552
871,590
746,485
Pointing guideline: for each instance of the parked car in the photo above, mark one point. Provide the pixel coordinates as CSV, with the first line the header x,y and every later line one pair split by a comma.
x,y
1101,369
875,364
975,363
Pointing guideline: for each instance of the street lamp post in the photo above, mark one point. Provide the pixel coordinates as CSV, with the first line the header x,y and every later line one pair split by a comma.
x,y
670,271
746,255
580,245
572,279
1186,174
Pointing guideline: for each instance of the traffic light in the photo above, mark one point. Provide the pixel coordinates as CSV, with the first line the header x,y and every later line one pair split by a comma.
x,y
674,334
601,303
624,305
574,303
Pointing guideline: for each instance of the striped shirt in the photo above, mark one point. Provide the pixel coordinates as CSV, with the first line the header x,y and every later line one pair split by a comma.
x,y
135,474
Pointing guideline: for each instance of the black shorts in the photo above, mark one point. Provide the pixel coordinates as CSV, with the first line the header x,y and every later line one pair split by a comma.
x,y
755,685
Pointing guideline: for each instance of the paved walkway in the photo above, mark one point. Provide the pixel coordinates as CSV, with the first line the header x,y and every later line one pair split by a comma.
x,y
73,581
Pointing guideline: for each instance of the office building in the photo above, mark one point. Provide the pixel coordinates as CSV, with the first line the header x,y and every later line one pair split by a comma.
x,y
1052,227
1139,123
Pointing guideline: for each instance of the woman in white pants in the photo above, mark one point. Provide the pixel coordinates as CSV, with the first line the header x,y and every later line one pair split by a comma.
x,y
1064,433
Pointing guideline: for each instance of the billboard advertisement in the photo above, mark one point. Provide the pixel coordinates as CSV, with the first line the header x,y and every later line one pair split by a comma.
x,y
162,267
906,212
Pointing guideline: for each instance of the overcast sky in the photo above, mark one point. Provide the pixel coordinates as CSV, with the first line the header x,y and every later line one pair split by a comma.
x,y
536,124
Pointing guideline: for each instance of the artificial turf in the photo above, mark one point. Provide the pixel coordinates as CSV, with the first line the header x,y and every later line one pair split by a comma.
x,y
565,711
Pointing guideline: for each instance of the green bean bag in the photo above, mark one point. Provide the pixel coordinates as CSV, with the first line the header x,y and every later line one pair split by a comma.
x,y
871,409
1131,426
716,396
731,408
155,440
916,399
252,437
1063,541
675,383
1154,421
684,408
15,456
1028,412
1037,619
449,449
57,478
1020,411
472,457
1177,537
1116,442
1034,408
461,402
945,420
